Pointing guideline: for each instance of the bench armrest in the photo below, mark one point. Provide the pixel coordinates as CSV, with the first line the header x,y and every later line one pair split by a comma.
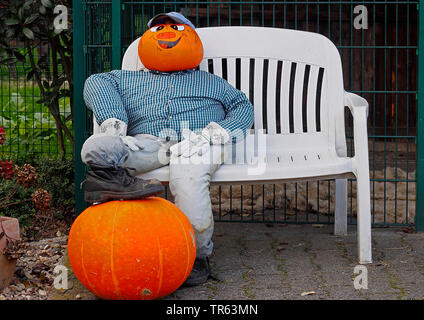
x,y
358,106
353,101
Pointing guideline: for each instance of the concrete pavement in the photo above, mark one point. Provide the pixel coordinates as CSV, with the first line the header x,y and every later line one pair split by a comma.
x,y
275,262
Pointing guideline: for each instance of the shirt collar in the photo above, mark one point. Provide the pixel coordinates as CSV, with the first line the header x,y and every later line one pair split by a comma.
x,y
171,73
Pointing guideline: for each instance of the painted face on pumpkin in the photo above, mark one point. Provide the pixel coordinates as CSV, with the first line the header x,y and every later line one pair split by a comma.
x,y
169,37
170,47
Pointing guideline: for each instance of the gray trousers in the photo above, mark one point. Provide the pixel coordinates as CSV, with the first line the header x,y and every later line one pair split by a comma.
x,y
189,178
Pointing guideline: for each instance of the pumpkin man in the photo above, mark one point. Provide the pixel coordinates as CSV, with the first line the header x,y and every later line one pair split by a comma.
x,y
169,113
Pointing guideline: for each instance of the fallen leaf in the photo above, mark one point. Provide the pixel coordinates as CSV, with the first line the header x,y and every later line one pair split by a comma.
x,y
408,230
281,246
307,293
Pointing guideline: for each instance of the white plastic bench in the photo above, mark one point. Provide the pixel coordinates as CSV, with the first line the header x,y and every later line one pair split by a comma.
x,y
294,80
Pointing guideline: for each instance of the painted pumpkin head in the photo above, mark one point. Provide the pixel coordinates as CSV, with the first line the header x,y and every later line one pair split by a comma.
x,y
170,46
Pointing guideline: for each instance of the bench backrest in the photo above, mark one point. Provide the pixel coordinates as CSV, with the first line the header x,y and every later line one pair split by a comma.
x,y
293,79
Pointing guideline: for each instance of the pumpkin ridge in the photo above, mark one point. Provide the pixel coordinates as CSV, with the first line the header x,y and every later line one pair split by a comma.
x,y
85,270
160,275
187,247
112,265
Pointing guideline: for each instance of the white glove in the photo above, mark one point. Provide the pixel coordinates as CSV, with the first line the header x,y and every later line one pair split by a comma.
x,y
215,134
191,143
199,144
116,127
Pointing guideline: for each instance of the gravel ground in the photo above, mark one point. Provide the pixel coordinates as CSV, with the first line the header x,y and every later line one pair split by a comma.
x,y
34,275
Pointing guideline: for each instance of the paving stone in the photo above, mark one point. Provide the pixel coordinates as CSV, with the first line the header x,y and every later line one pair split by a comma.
x,y
276,262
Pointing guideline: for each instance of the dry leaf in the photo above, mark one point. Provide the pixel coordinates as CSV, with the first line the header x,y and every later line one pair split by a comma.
x,y
307,293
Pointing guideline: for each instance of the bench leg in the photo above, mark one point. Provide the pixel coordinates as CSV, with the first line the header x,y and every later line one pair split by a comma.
x,y
364,216
340,214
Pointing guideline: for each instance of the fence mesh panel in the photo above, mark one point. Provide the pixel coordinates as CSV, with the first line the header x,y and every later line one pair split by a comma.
x,y
379,58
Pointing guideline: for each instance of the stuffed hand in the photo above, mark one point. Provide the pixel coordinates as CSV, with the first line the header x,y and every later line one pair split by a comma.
x,y
199,144
116,127
215,134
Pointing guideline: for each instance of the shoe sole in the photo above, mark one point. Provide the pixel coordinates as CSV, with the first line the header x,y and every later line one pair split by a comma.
x,y
93,197
195,282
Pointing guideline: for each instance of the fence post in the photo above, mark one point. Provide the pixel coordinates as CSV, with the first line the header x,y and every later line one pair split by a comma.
x,y
116,34
419,216
80,132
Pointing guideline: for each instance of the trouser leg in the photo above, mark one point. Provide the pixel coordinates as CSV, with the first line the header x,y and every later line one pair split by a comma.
x,y
110,152
189,184
113,166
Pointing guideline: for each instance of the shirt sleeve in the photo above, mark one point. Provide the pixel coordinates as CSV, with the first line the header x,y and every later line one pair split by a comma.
x,y
102,95
239,113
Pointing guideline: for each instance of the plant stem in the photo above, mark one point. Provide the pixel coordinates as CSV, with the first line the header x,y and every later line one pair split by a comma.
x,y
14,203
53,111
9,196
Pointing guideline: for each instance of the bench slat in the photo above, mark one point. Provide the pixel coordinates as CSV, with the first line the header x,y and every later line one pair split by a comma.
x,y
311,102
257,95
244,75
271,96
285,93
217,66
231,67
297,103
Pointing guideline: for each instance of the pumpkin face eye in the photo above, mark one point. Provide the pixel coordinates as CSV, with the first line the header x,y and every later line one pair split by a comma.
x,y
170,47
156,28
177,27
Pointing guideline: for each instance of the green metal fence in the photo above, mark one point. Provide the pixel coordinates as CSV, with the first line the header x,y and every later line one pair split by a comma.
x,y
30,127
379,63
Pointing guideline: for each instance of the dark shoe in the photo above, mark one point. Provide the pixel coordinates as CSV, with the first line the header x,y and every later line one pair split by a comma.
x,y
108,184
199,274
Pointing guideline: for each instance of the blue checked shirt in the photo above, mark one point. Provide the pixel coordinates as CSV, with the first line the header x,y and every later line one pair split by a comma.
x,y
162,104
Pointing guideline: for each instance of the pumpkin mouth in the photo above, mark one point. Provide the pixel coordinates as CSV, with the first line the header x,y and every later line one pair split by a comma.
x,y
168,44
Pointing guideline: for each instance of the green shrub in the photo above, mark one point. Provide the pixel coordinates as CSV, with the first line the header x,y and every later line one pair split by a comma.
x,y
55,176
17,206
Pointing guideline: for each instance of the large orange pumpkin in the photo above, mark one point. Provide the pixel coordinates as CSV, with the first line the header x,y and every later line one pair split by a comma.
x,y
141,249
170,47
